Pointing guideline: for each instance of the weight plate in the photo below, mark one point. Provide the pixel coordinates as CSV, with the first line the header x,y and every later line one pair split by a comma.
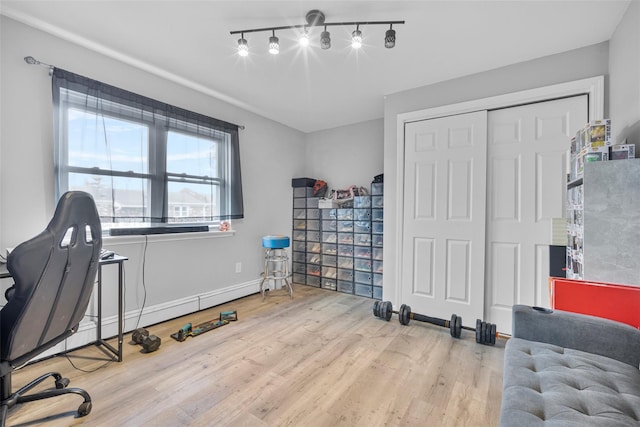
x,y
404,314
387,310
458,327
376,309
478,330
452,325
493,334
487,338
483,332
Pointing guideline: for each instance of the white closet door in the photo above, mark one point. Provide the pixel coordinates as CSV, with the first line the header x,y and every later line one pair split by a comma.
x,y
443,240
527,157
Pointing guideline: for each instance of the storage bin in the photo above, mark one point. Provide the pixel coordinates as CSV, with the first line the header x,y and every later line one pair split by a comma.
x,y
312,202
299,235
377,292
377,201
362,277
377,267
377,279
313,236
362,227
345,274
330,260
345,286
345,214
360,202
300,279
313,224
313,281
299,203
345,238
362,251
312,270
377,214
345,226
299,224
362,239
299,267
300,246
329,272
377,228
328,284
345,262
377,240
313,258
313,213
329,248
377,188
299,214
364,290
299,257
330,225
377,254
314,247
329,237
328,213
345,250
362,214
303,191
362,265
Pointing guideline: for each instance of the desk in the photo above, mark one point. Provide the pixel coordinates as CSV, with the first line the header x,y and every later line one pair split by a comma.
x,y
117,259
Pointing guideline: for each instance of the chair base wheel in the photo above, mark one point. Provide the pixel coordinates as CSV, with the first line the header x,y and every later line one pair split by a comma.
x,y
84,409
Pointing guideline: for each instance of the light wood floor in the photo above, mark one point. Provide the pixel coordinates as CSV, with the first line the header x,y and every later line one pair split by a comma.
x,y
319,360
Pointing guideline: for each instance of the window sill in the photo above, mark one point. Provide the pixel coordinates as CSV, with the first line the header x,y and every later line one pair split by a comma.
x,y
137,238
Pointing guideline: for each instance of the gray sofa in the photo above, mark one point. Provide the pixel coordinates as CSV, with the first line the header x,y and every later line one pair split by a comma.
x,y
566,369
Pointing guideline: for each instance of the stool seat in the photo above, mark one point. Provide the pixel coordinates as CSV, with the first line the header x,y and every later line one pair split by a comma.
x,y
276,262
275,242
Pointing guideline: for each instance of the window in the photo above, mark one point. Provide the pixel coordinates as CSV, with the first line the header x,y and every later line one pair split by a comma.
x,y
144,162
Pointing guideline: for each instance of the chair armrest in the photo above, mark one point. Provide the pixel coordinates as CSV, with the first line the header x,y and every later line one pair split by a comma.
x,y
578,331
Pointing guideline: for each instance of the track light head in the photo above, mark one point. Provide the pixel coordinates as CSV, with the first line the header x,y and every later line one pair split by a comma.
x,y
304,38
390,38
274,44
356,38
243,47
325,39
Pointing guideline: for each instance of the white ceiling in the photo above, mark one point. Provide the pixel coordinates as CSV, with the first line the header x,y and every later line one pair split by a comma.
x,y
189,41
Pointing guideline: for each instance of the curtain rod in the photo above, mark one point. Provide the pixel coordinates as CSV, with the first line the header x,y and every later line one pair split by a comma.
x,y
33,61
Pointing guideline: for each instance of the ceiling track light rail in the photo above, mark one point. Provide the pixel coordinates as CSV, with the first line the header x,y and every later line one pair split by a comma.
x,y
315,18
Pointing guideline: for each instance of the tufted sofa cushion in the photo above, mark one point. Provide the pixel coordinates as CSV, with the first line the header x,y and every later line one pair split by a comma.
x,y
547,385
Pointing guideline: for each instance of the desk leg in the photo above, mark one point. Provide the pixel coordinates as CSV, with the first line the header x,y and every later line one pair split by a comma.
x,y
99,322
120,298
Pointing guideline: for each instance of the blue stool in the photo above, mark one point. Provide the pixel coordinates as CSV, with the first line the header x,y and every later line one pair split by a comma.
x,y
276,262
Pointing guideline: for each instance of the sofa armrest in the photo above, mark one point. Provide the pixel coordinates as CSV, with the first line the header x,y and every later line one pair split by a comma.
x,y
578,331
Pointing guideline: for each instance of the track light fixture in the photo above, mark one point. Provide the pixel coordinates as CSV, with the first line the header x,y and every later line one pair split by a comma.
x,y
315,18
243,47
274,44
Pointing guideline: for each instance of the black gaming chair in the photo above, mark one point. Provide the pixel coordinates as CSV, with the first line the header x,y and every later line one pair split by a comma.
x,y
54,274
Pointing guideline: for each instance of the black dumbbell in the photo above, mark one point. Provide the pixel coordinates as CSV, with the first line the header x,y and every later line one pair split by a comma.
x,y
384,310
149,343
485,332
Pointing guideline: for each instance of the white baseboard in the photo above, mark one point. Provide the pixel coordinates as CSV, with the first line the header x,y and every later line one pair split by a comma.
x,y
86,333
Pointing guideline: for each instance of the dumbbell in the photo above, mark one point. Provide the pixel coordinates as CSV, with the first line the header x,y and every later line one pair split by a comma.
x,y
384,310
485,332
149,343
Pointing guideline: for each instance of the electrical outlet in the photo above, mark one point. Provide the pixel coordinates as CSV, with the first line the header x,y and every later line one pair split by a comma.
x,y
238,267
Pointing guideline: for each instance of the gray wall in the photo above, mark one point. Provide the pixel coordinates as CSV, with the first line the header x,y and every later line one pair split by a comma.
x,y
624,72
176,267
346,155
573,65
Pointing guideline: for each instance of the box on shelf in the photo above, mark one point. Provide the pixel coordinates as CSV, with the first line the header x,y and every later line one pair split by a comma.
x,y
622,152
303,182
